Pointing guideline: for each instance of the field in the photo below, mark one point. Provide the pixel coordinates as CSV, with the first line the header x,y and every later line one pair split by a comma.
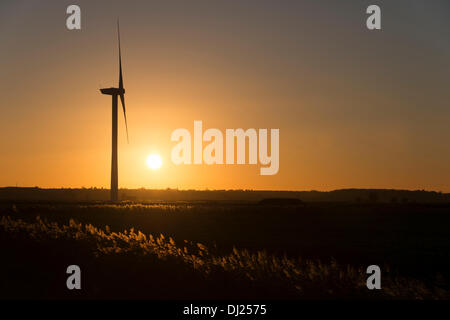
x,y
224,250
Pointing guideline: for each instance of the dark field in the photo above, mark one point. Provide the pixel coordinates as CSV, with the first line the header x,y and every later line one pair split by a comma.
x,y
315,250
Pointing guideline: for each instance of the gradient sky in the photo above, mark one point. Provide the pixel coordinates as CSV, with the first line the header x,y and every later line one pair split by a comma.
x,y
355,108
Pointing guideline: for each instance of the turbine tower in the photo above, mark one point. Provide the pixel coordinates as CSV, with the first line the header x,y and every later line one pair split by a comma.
x,y
115,93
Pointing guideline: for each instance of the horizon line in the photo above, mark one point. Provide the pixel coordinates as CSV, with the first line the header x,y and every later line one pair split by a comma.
x,y
215,190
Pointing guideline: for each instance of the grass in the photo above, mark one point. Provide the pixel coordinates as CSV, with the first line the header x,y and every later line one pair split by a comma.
x,y
250,271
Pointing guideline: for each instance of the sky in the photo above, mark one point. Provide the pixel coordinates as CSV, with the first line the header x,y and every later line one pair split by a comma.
x,y
355,108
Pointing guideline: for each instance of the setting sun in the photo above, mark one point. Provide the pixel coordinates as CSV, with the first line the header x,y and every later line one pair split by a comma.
x,y
154,161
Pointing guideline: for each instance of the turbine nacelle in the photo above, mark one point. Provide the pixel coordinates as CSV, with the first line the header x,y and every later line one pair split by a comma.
x,y
113,91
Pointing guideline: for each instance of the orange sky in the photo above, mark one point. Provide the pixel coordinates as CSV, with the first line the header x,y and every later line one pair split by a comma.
x,y
355,109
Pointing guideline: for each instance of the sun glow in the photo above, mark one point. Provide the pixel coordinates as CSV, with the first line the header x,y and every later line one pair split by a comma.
x,y
154,161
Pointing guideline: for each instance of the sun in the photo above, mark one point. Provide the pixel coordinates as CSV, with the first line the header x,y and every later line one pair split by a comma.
x,y
154,161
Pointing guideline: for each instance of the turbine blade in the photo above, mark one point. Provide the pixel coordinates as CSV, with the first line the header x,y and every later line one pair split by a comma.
x,y
120,58
122,99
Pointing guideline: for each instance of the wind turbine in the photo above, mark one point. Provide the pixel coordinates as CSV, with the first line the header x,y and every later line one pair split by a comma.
x,y
115,93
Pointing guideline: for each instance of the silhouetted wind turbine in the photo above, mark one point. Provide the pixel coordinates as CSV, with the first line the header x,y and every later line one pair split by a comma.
x,y
115,92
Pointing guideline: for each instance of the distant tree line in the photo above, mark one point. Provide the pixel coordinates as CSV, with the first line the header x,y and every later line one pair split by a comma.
x,y
142,194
